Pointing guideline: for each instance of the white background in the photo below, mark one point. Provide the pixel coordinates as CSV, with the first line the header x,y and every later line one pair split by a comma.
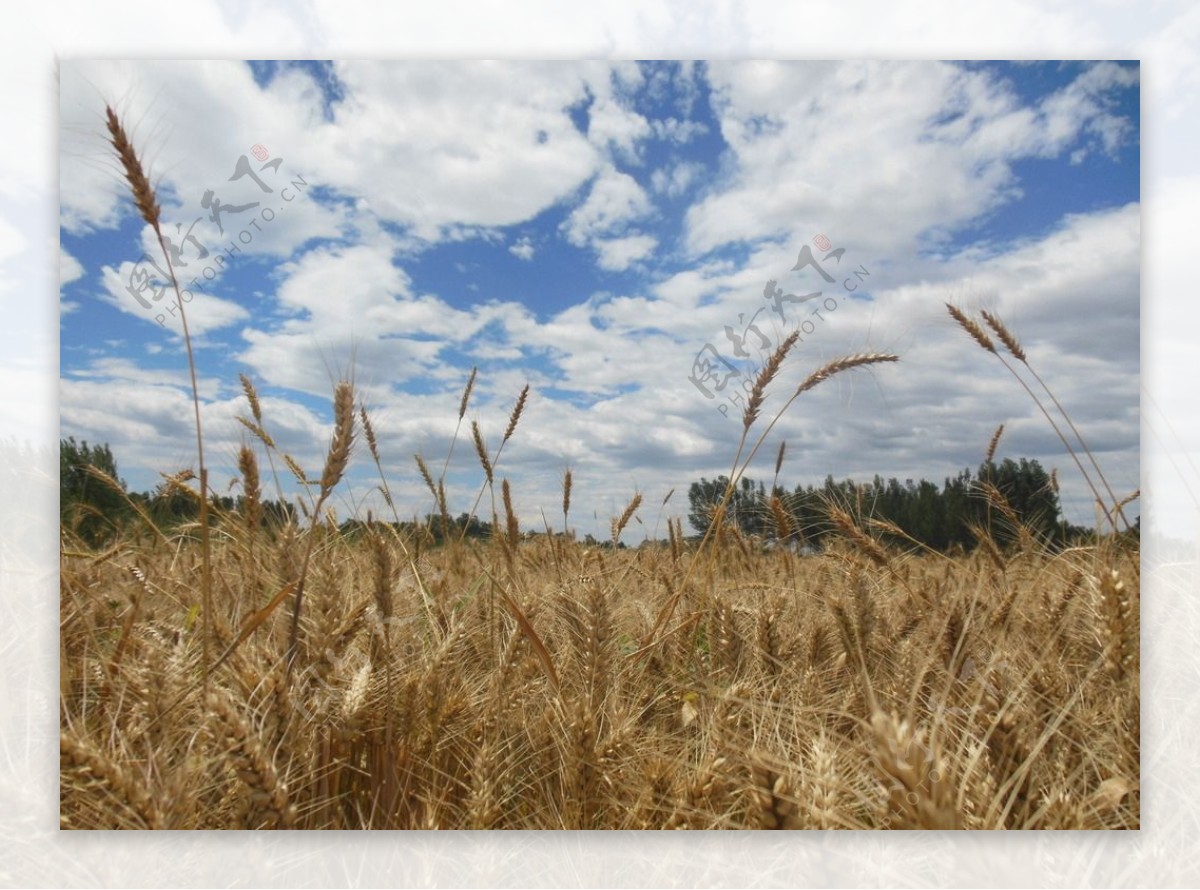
x,y
1164,35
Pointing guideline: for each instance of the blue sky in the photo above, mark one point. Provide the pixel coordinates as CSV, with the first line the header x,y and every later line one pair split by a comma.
x,y
589,228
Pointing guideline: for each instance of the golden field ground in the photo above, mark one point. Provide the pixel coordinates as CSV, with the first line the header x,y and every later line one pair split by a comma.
x,y
536,683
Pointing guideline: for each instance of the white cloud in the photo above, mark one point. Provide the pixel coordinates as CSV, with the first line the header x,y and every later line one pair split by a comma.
x,y
437,148
615,199
674,180
602,220
69,268
436,145
204,311
523,249
618,363
613,125
112,369
198,153
680,131
618,254
890,151
343,301
1082,106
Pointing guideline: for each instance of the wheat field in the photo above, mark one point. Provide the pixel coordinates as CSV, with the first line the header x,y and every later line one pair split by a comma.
x,y
513,687
233,672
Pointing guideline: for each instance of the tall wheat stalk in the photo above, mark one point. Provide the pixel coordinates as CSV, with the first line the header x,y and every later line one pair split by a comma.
x,y
976,332
146,201
753,408
336,460
1014,347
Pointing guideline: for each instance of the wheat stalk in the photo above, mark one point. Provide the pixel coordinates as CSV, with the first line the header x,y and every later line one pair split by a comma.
x,y
1014,347
995,441
566,497
1116,610
618,524
268,805
919,791
336,460
251,487
973,328
764,378
466,396
462,410
1006,336
513,418
512,527
145,199
338,455
481,450
837,366
91,765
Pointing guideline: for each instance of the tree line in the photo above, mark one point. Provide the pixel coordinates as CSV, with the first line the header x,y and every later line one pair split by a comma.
x,y
96,505
940,517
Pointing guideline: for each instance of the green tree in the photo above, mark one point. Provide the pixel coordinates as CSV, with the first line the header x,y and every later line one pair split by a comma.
x,y
703,498
937,517
91,506
746,510
1026,487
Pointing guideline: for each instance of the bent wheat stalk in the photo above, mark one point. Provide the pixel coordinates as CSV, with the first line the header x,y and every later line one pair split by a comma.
x,y
976,332
1014,346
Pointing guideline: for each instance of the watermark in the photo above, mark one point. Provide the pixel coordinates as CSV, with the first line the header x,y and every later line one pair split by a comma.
x,y
720,379
185,248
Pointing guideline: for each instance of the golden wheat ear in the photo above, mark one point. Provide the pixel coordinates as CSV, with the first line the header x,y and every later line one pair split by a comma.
x,y
144,196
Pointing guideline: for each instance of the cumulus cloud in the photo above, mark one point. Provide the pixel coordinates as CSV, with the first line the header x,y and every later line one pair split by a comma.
x,y
618,254
929,146
69,268
614,200
603,220
612,124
